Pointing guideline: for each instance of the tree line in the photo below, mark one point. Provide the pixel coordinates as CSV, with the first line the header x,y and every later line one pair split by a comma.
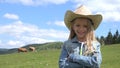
x,y
110,39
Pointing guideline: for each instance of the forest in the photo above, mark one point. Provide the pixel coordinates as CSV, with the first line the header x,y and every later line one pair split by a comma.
x,y
110,38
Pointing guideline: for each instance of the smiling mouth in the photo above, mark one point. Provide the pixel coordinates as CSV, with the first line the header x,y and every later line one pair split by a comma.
x,y
81,33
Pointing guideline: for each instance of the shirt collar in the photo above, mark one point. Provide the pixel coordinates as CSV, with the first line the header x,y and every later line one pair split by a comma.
x,y
75,40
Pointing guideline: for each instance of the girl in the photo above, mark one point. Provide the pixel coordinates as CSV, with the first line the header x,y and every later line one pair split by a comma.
x,y
81,50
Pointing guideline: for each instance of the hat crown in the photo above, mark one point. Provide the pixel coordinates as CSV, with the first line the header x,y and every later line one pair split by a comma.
x,y
83,10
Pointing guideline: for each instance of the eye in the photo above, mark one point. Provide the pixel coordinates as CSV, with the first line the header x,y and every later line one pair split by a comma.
x,y
77,25
85,26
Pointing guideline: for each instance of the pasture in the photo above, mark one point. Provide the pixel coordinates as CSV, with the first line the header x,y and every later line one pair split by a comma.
x,y
49,58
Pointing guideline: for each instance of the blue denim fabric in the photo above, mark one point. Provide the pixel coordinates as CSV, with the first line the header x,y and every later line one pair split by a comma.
x,y
70,57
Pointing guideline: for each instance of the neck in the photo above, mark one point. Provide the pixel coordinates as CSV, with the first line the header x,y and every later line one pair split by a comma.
x,y
81,39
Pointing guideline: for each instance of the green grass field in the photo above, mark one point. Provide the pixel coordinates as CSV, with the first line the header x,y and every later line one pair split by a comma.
x,y
49,58
111,56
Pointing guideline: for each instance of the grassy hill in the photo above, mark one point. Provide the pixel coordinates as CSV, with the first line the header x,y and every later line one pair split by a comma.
x,y
49,58
41,59
39,47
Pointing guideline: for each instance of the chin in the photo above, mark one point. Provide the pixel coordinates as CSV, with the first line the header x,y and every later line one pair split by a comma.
x,y
81,37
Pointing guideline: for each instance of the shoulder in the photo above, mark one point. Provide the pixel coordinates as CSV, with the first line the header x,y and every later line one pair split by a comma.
x,y
70,43
67,42
96,44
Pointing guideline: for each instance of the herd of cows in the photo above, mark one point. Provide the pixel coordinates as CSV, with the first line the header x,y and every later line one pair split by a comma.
x,y
31,48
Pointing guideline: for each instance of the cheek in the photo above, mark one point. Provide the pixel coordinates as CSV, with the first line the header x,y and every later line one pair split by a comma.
x,y
85,29
75,29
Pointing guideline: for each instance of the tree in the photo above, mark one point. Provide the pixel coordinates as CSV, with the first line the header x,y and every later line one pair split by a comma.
x,y
109,38
102,40
118,39
115,37
98,39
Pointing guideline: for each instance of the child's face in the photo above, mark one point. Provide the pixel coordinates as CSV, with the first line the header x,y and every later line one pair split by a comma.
x,y
80,27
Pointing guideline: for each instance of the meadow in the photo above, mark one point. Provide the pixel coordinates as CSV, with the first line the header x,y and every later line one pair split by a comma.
x,y
49,58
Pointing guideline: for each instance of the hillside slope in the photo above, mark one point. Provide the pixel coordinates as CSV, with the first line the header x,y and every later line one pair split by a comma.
x,y
49,58
45,46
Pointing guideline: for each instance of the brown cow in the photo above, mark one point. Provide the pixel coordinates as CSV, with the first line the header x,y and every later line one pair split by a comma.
x,y
32,48
22,50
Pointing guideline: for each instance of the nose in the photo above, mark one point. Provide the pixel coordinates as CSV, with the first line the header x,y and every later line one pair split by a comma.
x,y
81,28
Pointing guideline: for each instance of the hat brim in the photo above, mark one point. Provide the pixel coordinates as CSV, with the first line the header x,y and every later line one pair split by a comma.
x,y
69,16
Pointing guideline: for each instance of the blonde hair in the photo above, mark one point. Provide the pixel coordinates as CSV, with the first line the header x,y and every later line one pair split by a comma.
x,y
89,37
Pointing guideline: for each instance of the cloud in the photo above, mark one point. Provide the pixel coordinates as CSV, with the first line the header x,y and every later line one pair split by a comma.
x,y
11,16
0,41
13,43
57,23
112,16
60,23
110,9
35,2
15,29
21,34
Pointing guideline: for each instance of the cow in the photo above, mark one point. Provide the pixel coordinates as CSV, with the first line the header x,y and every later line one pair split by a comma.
x,y
22,50
31,48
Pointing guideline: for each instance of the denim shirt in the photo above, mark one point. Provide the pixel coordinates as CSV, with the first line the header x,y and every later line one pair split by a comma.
x,y
71,48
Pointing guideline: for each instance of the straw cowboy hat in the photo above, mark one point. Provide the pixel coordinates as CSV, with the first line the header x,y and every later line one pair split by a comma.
x,y
83,12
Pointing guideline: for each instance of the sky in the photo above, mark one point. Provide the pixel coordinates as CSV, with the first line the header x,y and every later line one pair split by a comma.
x,y
25,22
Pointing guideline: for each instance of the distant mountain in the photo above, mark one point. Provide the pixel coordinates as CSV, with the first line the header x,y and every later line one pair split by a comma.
x,y
3,51
45,46
8,51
